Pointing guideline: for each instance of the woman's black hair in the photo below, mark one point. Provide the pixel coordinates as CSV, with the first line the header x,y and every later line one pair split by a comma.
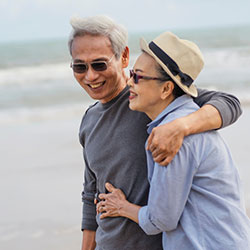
x,y
177,91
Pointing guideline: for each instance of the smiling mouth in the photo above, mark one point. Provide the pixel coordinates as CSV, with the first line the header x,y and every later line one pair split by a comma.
x,y
132,95
95,86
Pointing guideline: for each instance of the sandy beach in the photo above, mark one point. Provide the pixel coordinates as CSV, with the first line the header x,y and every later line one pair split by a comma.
x,y
41,180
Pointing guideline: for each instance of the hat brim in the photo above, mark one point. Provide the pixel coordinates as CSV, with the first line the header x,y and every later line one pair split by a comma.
x,y
191,90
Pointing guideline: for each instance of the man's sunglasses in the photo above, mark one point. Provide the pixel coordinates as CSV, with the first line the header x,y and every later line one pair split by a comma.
x,y
137,77
96,65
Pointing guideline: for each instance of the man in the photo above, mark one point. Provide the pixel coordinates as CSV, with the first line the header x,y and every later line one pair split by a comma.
x,y
113,136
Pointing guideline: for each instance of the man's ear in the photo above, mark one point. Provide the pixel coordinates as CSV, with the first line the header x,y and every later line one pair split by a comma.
x,y
125,57
166,89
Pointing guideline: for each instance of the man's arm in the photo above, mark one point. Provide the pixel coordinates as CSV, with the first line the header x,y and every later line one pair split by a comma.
x,y
88,240
89,224
227,105
218,110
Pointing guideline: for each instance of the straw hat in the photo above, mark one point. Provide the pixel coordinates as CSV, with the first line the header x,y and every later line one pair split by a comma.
x,y
181,59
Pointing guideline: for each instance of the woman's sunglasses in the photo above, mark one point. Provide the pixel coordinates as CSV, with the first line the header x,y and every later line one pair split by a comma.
x,y
137,77
81,68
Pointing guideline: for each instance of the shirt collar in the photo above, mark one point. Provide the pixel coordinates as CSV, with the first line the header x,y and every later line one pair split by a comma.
x,y
177,103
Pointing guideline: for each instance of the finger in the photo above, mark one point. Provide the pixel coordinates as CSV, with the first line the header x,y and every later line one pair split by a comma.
x,y
101,209
98,209
102,196
103,215
150,138
166,161
109,187
153,146
100,204
158,152
107,214
160,157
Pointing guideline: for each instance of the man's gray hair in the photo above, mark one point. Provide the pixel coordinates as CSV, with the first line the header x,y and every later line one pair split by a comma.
x,y
100,25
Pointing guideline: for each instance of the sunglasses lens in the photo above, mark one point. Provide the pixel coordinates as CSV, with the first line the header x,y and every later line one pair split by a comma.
x,y
79,68
82,67
99,66
134,75
136,78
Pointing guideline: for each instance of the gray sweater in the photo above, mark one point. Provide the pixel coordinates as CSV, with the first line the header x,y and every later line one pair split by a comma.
x,y
113,139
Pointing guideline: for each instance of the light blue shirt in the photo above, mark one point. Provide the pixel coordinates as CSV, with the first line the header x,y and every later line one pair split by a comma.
x,y
196,201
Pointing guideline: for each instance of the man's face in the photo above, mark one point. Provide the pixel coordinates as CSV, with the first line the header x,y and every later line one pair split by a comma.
x,y
100,85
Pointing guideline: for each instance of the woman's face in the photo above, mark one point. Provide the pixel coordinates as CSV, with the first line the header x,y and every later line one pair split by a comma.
x,y
145,96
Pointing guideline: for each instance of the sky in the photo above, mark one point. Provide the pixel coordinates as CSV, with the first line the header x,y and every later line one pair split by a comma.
x,y
43,19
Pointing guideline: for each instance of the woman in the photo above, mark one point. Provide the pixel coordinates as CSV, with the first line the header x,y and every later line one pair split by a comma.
x,y
196,201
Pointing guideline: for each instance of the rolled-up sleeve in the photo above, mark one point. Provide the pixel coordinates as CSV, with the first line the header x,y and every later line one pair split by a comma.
x,y
169,190
227,105
146,223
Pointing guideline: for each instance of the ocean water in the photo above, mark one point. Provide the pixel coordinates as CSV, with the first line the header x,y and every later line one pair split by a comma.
x,y
36,81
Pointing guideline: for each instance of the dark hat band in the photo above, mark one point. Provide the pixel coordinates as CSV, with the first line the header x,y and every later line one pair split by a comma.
x,y
171,64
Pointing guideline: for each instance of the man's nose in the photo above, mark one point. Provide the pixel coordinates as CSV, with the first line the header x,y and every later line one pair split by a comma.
x,y
91,74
